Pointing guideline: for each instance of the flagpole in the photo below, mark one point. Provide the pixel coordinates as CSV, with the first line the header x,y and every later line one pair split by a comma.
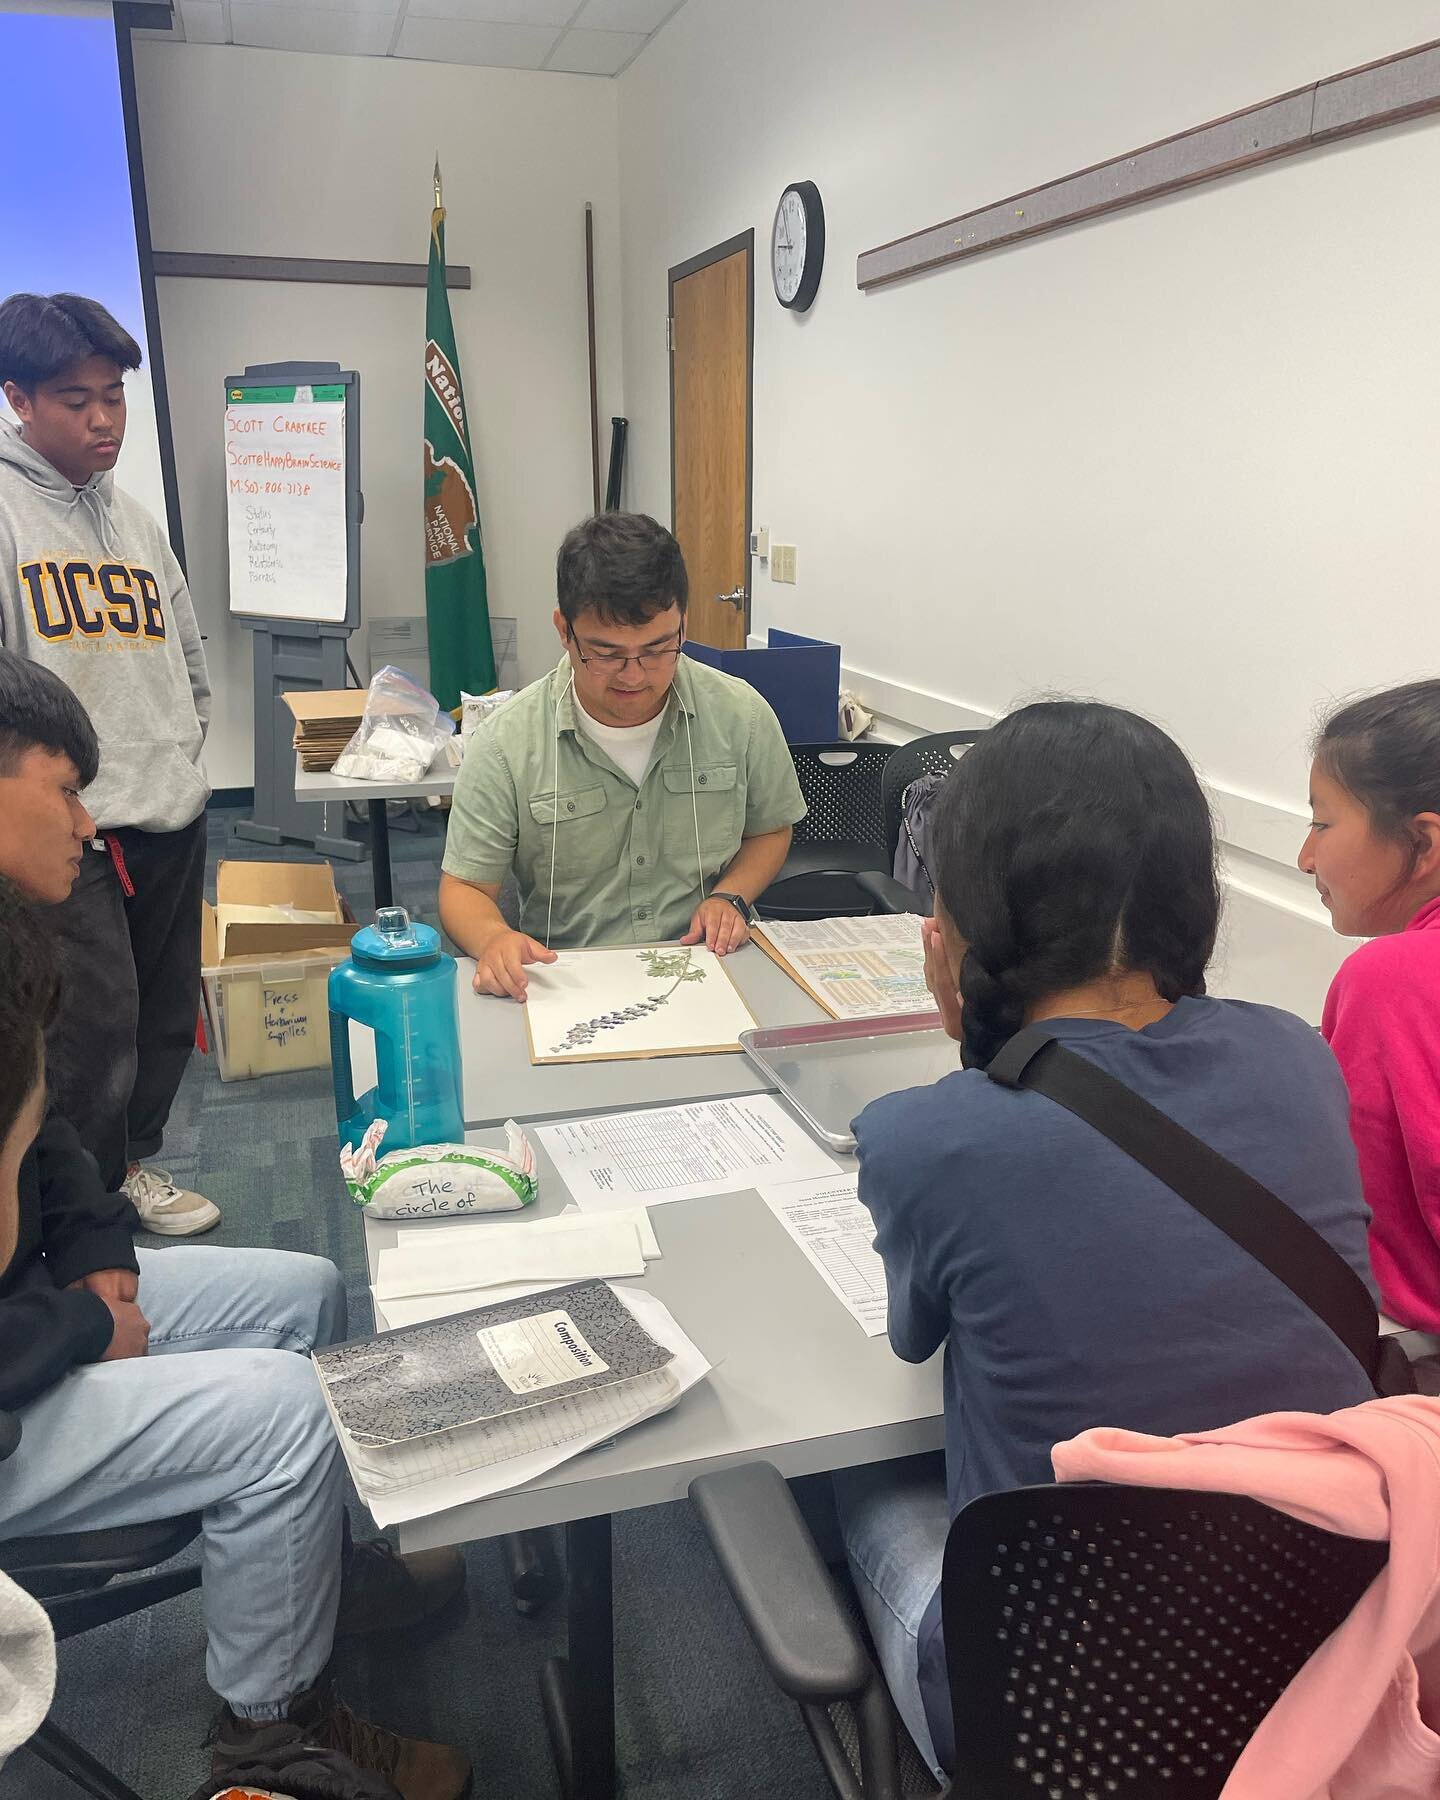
x,y
590,320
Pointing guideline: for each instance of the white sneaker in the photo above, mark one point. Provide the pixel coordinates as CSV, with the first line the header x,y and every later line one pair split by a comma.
x,y
163,1207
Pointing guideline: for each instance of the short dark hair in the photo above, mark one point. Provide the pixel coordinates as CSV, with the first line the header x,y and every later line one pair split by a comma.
x,y
29,994
1070,840
624,566
1385,750
38,711
42,335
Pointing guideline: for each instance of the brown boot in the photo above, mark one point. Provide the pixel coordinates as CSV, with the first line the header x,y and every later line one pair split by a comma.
x,y
381,1590
320,1720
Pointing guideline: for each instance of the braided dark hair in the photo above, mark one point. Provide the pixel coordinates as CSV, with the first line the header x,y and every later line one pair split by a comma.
x,y
1073,839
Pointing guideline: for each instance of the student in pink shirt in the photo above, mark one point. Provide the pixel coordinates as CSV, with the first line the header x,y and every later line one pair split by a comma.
x,y
1374,852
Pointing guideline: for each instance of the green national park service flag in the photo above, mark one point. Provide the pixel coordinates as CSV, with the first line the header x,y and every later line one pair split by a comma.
x,y
456,605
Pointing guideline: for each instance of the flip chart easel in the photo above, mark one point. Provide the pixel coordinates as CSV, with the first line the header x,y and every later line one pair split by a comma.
x,y
294,532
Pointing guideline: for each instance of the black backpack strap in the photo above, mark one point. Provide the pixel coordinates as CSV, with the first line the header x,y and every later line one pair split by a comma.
x,y
1247,1212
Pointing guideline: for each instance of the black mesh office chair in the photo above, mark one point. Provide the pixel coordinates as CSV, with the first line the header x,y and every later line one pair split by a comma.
x,y
840,859
1101,1640
76,1577
1128,1640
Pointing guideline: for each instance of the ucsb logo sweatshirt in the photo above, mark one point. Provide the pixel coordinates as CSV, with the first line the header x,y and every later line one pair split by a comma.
x,y
90,588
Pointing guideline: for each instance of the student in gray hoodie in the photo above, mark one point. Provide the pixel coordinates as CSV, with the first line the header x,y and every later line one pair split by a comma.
x,y
90,588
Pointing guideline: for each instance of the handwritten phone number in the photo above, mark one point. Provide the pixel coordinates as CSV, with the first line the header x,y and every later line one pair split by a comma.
x,y
293,490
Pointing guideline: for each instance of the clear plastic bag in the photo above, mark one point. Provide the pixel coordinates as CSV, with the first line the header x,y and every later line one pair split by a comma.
x,y
475,709
400,733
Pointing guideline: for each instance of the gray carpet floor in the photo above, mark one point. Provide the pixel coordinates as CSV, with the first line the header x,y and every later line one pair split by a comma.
x,y
697,1717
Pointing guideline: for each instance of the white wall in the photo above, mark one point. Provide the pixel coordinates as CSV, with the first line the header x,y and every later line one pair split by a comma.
x,y
258,152
1183,458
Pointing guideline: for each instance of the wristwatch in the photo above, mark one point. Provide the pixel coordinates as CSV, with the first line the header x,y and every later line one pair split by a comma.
x,y
740,903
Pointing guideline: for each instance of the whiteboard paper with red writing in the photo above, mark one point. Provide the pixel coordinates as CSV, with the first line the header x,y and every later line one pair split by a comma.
x,y
285,500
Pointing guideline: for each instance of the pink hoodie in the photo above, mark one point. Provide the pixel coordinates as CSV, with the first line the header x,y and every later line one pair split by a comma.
x,y
1352,1725
1382,1020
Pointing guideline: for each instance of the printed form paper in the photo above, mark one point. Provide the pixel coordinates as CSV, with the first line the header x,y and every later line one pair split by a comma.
x,y
856,968
681,1152
829,1223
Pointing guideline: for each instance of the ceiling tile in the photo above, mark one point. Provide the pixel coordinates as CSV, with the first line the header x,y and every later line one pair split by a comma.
x,y
204,22
594,52
467,41
496,12
390,7
624,15
271,25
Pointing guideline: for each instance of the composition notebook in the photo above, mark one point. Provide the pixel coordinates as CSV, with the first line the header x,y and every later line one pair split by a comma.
x,y
481,1367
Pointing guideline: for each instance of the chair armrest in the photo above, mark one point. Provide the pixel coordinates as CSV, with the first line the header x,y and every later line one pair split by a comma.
x,y
783,1590
890,895
1416,1344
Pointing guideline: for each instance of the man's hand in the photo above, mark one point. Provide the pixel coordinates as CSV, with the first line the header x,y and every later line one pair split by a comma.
x,y
131,1336
718,925
500,963
131,1329
941,979
111,1284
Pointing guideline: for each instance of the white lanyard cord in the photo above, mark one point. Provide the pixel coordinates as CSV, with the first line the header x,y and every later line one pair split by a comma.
x,y
694,803
555,813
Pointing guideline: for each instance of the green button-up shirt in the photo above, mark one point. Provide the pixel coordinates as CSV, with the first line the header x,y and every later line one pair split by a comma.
x,y
625,857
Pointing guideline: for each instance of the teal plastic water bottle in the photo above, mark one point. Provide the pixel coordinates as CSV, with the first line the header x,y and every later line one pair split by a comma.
x,y
400,984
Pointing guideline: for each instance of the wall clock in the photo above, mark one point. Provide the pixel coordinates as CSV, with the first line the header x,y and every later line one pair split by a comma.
x,y
797,245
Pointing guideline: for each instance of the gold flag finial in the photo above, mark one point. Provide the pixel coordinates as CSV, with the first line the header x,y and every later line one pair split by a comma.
x,y
438,201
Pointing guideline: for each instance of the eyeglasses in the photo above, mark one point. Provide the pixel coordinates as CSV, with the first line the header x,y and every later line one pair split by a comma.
x,y
612,661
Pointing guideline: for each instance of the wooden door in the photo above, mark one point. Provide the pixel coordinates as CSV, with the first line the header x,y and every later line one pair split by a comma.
x,y
712,313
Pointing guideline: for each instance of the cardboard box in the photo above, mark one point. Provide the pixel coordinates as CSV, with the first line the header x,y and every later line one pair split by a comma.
x,y
266,970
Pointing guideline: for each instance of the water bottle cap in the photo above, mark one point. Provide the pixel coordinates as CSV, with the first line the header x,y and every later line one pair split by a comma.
x,y
396,941
393,922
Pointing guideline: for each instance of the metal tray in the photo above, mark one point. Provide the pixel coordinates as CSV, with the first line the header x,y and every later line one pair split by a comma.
x,y
828,1073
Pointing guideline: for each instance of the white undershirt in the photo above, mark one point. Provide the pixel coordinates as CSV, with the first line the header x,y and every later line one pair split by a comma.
x,y
629,747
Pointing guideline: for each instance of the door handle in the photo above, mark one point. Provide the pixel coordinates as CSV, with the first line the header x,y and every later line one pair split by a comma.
x,y
735,598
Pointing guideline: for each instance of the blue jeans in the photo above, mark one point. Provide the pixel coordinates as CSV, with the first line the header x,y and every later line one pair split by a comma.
x,y
238,1434
895,1519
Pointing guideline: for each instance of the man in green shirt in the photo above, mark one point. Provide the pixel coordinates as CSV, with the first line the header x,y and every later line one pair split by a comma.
x,y
636,794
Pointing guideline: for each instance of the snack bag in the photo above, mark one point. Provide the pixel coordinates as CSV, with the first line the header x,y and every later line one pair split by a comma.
x,y
434,1181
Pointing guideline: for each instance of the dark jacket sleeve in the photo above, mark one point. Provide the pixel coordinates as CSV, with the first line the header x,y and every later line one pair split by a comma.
x,y
69,1227
44,1333
82,1227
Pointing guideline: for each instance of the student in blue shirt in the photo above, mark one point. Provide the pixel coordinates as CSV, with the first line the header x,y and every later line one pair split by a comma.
x,y
1074,867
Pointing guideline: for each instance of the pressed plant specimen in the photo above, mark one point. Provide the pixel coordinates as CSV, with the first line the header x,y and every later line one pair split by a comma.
x,y
672,966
